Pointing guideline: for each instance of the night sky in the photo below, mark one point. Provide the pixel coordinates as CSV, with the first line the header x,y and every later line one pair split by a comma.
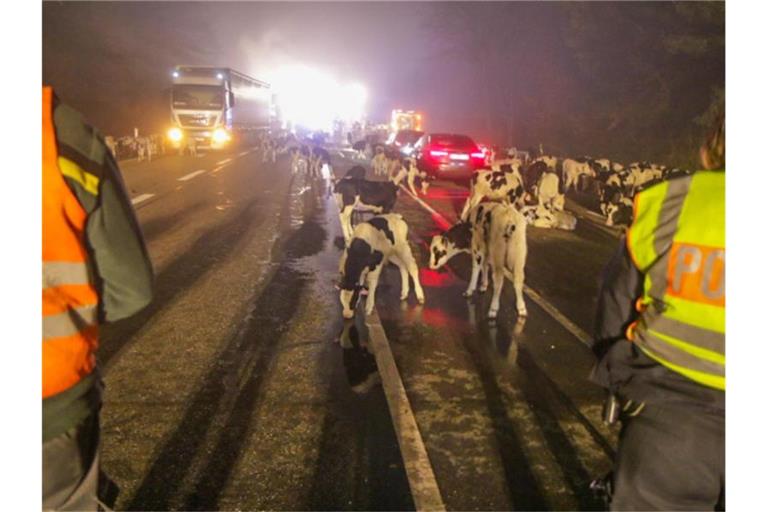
x,y
622,78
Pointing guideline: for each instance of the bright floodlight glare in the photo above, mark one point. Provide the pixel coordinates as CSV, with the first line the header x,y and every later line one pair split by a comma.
x,y
175,74
313,99
219,76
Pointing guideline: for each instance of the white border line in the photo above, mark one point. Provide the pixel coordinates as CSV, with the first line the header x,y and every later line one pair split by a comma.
x,y
547,306
418,468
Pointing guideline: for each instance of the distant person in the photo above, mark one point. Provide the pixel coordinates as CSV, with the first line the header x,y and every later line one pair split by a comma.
x,y
660,340
141,148
95,269
150,145
326,172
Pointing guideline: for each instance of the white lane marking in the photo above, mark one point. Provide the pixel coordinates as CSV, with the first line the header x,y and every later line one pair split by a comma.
x,y
418,468
225,161
547,306
141,198
421,477
242,154
192,175
557,315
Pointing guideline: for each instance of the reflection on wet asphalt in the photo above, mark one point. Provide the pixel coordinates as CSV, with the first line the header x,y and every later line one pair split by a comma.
x,y
503,406
282,362
358,449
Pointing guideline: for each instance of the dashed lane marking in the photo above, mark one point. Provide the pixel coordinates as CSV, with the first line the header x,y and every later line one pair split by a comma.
x,y
192,175
241,154
226,160
547,306
418,468
141,198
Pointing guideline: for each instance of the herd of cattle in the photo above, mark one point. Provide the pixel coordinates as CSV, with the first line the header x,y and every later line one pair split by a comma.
x,y
537,186
503,200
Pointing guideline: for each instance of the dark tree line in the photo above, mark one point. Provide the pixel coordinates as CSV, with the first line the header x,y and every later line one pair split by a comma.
x,y
627,80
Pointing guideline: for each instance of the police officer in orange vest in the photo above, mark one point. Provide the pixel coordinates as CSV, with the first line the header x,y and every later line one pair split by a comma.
x,y
660,340
95,269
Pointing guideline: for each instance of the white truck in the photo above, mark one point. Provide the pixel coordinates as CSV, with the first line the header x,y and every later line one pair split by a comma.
x,y
211,107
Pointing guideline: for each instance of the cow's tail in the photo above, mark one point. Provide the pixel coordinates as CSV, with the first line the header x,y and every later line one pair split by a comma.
x,y
513,228
509,226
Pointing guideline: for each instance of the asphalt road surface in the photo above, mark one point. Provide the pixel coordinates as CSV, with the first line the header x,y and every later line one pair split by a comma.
x,y
232,392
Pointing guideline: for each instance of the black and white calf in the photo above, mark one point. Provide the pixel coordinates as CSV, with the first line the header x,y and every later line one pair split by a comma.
x,y
353,193
379,162
548,191
376,242
573,169
495,236
540,216
495,185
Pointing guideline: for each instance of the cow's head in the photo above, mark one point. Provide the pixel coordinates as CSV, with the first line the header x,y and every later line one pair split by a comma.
x,y
449,244
619,213
356,262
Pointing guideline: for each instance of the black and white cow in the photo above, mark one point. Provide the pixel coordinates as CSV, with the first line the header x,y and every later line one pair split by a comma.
x,y
548,192
550,161
497,244
504,184
540,216
376,242
531,177
379,162
361,194
619,213
573,169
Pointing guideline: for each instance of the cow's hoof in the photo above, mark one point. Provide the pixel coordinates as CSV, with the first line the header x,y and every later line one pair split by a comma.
x,y
467,294
492,314
404,297
522,312
420,299
483,289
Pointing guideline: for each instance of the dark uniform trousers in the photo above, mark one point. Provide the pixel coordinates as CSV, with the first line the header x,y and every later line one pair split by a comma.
x,y
71,468
670,458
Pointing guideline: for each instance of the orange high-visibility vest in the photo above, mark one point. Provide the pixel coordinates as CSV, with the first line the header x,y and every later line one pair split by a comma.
x,y
70,299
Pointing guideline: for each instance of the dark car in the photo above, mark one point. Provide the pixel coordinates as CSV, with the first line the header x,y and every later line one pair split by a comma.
x,y
448,156
404,140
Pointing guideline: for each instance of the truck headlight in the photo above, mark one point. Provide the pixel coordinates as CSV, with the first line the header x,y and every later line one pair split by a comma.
x,y
220,135
175,134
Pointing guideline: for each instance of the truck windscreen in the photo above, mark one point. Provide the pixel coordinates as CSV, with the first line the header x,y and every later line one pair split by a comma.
x,y
201,97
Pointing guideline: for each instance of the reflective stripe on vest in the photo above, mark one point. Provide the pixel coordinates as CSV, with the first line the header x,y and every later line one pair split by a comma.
x,y
69,299
678,241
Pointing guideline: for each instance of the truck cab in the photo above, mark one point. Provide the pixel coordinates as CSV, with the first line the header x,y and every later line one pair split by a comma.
x,y
212,106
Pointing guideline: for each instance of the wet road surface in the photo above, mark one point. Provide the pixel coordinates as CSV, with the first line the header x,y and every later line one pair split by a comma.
x,y
508,416
231,391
